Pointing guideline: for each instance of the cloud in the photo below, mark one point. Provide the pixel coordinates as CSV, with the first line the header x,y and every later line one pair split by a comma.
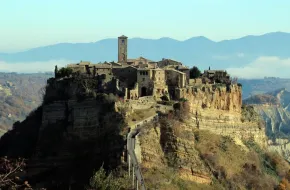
x,y
263,67
32,67
241,55
221,57
228,57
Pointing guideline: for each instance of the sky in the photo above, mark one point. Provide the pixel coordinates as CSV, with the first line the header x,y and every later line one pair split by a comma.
x,y
26,24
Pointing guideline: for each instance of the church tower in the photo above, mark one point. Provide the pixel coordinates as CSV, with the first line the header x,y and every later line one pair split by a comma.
x,y
122,49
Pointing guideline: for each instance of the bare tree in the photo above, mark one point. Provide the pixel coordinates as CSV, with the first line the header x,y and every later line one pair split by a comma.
x,y
86,84
8,174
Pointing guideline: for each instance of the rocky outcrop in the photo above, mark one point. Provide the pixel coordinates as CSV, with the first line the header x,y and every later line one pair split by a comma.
x,y
276,118
229,124
161,148
217,96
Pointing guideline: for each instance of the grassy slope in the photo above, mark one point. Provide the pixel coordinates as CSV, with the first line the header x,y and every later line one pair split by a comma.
x,y
228,165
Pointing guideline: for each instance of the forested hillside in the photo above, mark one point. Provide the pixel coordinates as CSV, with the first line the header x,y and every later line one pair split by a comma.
x,y
19,95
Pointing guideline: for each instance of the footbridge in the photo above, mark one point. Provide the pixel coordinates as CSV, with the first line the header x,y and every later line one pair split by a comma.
x,y
133,165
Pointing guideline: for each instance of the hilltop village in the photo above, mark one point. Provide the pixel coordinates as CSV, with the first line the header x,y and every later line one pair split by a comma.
x,y
149,118
139,84
135,78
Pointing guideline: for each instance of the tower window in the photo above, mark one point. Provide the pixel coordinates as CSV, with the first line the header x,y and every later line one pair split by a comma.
x,y
123,41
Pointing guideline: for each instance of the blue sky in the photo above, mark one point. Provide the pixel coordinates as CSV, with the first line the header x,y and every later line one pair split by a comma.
x,y
31,23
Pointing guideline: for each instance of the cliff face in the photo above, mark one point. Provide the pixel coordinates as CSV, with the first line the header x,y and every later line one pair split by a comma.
x,y
169,158
277,118
217,96
176,155
218,108
215,109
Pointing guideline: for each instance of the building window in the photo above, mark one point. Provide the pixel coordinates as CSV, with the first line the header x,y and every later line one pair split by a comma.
x,y
143,79
123,41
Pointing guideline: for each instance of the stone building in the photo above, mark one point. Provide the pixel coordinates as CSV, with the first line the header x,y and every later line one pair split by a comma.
x,y
140,77
216,75
151,82
168,63
122,49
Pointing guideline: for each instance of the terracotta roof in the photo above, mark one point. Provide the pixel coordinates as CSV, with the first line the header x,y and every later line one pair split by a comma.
x,y
182,67
123,36
169,69
139,59
170,60
101,65
85,63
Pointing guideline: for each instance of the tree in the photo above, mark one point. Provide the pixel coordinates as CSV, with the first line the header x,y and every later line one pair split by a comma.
x,y
86,85
194,72
64,72
8,174
55,71
115,180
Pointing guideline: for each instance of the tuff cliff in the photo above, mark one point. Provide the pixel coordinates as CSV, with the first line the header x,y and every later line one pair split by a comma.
x,y
174,150
218,108
175,155
213,96
273,107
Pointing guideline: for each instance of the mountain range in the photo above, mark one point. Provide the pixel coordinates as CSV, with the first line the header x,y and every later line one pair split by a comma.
x,y
199,51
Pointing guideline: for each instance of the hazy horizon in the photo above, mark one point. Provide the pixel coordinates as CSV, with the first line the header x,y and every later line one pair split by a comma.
x,y
38,23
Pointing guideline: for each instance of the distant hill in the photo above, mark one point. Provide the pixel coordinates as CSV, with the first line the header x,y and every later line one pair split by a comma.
x,y
198,51
274,107
262,99
263,86
19,95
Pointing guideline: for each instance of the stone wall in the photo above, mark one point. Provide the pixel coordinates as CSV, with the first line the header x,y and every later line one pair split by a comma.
x,y
142,103
197,81
175,78
134,93
144,79
218,96
160,87
127,75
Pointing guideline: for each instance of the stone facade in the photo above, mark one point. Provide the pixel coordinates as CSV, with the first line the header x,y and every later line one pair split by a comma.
x,y
122,49
175,78
137,77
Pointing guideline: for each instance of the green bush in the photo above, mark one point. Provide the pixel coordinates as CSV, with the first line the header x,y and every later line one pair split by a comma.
x,y
112,181
64,72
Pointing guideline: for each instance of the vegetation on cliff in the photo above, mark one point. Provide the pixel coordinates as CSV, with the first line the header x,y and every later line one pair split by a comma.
x,y
194,72
189,158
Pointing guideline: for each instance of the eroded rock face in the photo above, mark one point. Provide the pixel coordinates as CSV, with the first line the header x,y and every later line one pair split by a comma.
x,y
159,147
218,96
276,117
218,108
228,123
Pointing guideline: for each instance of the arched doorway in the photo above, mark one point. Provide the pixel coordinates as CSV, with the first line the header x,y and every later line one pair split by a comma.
x,y
143,91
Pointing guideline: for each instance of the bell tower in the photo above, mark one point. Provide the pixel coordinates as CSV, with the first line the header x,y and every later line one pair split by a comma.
x,y
122,49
